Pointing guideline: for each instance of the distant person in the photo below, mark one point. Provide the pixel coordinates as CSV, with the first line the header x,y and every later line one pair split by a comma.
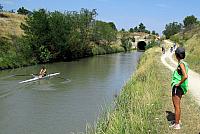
x,y
43,72
171,49
163,49
179,84
175,45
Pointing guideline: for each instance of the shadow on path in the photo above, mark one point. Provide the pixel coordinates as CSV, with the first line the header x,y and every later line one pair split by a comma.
x,y
170,116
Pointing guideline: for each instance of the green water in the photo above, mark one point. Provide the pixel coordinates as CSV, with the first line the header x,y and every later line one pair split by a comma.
x,y
63,104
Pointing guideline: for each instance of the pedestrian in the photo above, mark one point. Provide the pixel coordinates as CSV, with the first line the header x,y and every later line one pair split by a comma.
x,y
179,84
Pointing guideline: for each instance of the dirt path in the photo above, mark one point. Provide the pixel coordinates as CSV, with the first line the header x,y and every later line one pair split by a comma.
x,y
194,78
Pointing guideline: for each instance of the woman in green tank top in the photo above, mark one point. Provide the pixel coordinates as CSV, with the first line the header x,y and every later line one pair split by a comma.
x,y
179,84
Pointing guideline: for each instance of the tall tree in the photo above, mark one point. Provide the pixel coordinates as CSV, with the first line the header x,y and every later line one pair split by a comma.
x,y
153,32
131,30
123,30
135,29
189,21
141,27
37,32
171,29
112,24
23,11
103,33
1,7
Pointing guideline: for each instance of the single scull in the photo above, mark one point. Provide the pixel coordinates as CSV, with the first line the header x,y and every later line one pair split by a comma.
x,y
37,78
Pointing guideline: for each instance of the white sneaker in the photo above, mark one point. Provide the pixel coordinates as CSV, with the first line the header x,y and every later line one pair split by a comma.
x,y
175,126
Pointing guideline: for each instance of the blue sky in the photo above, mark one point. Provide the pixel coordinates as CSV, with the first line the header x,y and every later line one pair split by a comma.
x,y
154,14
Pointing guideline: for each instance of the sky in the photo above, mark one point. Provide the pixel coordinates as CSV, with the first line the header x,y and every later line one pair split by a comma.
x,y
154,14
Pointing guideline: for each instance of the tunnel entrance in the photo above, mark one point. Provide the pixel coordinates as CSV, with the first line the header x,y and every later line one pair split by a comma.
x,y
141,46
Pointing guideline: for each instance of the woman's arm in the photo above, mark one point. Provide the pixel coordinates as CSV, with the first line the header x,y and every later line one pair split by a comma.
x,y
185,76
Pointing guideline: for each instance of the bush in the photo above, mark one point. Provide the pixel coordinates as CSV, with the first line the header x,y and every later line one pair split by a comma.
x,y
152,44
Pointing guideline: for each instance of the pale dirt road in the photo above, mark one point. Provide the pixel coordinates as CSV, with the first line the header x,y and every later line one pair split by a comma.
x,y
193,77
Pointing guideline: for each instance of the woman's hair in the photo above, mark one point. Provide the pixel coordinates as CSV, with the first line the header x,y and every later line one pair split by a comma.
x,y
43,67
180,52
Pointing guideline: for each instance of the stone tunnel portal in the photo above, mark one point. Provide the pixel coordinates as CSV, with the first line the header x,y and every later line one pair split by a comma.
x,y
141,45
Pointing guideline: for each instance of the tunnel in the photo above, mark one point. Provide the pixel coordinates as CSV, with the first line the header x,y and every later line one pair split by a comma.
x,y
141,46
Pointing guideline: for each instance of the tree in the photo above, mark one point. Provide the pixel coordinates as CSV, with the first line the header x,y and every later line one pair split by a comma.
x,y
37,32
123,30
1,7
131,30
153,32
135,29
126,42
141,27
112,24
172,29
23,11
189,21
103,33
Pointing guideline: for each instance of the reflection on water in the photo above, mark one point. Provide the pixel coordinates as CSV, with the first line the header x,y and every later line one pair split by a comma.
x,y
64,103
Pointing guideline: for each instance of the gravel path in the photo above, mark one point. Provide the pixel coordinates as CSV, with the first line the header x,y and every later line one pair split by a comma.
x,y
193,77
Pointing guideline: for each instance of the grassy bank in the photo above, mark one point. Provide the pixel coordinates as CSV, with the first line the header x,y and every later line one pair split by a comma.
x,y
100,50
10,24
144,105
193,50
190,40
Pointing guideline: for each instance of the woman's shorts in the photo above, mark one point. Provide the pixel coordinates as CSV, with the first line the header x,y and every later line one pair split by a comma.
x,y
177,91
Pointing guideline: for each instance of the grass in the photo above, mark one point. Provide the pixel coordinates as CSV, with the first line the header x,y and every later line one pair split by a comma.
x,y
100,50
190,39
10,24
145,106
193,50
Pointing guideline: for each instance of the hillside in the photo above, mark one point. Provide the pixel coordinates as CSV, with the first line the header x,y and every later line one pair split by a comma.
x,y
10,24
190,39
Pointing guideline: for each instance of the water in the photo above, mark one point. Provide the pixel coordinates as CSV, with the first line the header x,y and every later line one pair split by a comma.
x,y
63,104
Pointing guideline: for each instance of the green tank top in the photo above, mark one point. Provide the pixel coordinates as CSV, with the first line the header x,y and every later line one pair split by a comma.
x,y
177,76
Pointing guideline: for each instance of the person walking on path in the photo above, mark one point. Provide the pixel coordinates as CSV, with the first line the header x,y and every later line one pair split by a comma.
x,y
179,84
163,49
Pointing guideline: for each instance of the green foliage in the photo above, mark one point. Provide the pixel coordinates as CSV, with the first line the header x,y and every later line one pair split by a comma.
x,y
103,33
135,29
14,54
152,44
172,29
100,50
112,24
140,28
123,30
189,21
153,32
177,38
55,36
64,36
126,42
37,32
45,54
23,11
131,30
1,7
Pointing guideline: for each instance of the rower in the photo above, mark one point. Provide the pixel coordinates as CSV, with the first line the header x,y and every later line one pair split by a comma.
x,y
43,72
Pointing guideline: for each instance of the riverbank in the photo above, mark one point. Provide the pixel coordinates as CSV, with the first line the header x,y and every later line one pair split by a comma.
x,y
12,59
145,106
